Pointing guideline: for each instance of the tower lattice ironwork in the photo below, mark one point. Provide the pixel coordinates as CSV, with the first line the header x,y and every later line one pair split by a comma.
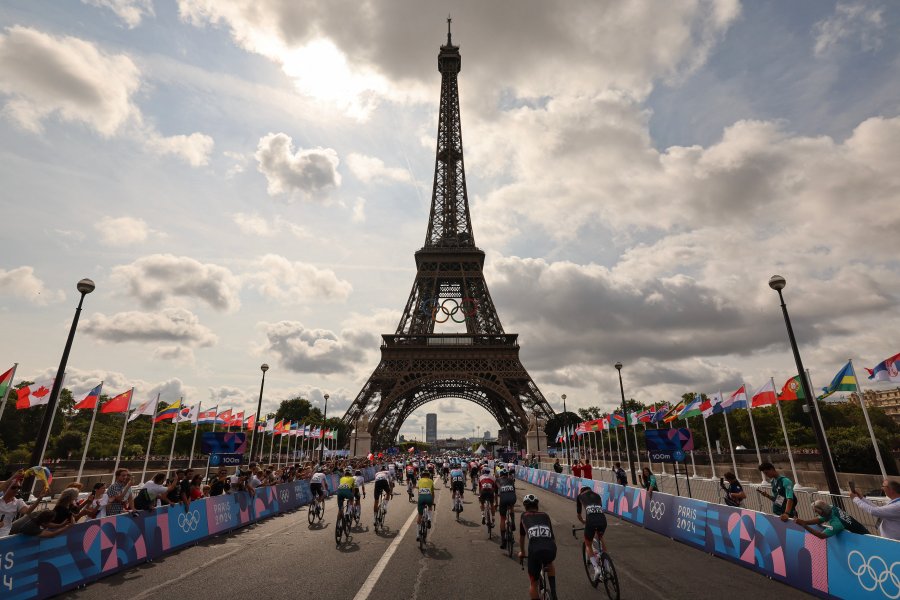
x,y
418,365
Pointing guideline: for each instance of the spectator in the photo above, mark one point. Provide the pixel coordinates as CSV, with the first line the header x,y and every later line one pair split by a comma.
x,y
621,476
196,487
95,505
557,467
576,468
784,504
12,507
16,477
889,514
587,471
174,495
39,524
66,509
153,493
734,491
220,485
833,521
648,481
119,494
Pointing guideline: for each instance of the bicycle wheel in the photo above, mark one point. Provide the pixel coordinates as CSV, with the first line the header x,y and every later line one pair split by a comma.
x,y
347,529
311,512
544,585
509,538
338,530
490,524
423,532
320,510
588,567
610,578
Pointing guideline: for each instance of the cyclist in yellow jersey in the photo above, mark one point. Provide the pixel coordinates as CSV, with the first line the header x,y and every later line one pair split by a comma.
x,y
426,494
346,485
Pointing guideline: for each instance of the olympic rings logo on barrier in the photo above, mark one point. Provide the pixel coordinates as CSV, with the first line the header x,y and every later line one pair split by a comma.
x,y
189,521
874,573
657,510
441,310
284,495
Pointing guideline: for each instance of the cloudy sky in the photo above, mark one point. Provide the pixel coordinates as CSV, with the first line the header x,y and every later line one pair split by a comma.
x,y
247,180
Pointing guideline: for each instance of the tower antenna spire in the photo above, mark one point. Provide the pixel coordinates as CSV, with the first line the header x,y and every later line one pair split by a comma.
x,y
448,30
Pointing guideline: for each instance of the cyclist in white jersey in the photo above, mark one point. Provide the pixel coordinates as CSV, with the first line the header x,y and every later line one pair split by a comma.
x,y
384,483
318,484
360,488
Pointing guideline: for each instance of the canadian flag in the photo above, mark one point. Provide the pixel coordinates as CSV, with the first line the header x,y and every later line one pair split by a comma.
x,y
32,395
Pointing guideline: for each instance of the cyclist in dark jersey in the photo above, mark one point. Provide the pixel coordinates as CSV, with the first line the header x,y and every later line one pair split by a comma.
x,y
536,526
589,502
507,490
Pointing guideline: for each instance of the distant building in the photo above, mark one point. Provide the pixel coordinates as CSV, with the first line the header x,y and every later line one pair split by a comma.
x,y
402,438
487,435
886,400
430,428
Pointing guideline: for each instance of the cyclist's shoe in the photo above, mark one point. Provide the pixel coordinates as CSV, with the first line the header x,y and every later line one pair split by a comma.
x,y
482,521
503,544
428,524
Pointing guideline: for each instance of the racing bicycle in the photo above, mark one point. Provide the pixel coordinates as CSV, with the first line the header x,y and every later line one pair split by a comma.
x,y
488,518
409,488
342,527
607,572
316,510
457,503
510,533
423,526
544,592
444,478
382,512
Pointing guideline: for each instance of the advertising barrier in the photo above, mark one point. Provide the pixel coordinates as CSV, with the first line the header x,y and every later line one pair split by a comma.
x,y
846,566
33,567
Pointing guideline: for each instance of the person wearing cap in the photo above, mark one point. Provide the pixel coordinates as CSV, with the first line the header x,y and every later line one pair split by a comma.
x,y
537,528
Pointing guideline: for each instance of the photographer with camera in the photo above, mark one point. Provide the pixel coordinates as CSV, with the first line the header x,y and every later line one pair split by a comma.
x,y
734,491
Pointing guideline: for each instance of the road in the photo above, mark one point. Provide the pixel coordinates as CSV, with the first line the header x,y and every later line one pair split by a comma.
x,y
284,557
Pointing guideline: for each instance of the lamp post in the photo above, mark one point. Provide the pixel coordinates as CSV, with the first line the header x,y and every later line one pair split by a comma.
x,y
777,283
324,419
263,367
566,433
84,287
625,415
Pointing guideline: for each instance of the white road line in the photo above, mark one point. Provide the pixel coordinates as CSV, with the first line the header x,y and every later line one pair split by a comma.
x,y
372,579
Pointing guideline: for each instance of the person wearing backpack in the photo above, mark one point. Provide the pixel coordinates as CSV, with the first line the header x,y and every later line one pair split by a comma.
x,y
833,521
153,490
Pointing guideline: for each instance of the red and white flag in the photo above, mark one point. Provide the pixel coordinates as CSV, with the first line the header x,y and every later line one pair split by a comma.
x,y
32,395
764,396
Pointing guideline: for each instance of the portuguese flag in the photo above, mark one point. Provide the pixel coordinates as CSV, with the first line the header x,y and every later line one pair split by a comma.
x,y
792,390
6,382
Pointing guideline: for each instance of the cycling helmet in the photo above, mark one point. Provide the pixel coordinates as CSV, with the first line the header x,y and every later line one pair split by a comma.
x,y
503,473
383,468
529,500
348,471
485,471
358,472
319,469
586,488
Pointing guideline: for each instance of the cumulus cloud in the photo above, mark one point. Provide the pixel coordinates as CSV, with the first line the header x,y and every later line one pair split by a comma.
x,y
305,350
179,354
157,279
260,226
168,325
226,394
859,21
81,381
129,11
73,80
122,231
21,282
308,174
279,279
370,169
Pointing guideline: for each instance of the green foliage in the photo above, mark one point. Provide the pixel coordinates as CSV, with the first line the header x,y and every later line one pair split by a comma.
x,y
67,444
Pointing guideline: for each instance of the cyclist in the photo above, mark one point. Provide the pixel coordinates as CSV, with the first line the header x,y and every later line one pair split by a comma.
x,y
473,473
445,469
457,481
410,472
487,491
594,522
392,470
507,487
346,487
360,487
318,484
536,526
383,485
426,496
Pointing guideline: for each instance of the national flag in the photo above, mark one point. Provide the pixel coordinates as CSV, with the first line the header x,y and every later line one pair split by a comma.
x,y
660,414
692,408
188,414
90,401
169,412
237,420
673,412
250,422
32,395
148,409
580,430
647,415
633,418
844,381
6,382
307,431
886,370
119,404
279,427
270,425
764,396
316,433
208,416
738,399
711,406
295,428
616,420
223,417
792,390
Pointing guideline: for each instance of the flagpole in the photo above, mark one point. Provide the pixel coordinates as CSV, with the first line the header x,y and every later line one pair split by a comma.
x,y
752,426
728,431
636,451
196,428
784,431
172,448
609,442
122,439
150,441
50,429
90,429
862,404
662,464
271,443
280,442
618,446
712,464
602,450
649,462
815,402
12,377
693,464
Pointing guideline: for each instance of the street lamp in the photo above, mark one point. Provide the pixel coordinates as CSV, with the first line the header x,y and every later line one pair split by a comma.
x,y
777,283
566,433
625,415
263,367
324,419
84,287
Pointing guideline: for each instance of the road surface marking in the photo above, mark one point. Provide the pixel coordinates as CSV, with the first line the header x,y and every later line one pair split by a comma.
x,y
372,579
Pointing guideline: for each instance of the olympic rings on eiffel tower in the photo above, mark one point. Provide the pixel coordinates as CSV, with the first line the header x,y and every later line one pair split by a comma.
x,y
443,309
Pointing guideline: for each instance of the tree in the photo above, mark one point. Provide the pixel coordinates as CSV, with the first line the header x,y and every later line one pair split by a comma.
x,y
297,409
67,444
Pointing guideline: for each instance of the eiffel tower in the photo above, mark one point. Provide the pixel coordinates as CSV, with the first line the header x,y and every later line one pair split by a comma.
x,y
418,365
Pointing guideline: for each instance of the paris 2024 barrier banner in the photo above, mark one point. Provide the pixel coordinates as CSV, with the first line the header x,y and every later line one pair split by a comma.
x,y
846,566
33,567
